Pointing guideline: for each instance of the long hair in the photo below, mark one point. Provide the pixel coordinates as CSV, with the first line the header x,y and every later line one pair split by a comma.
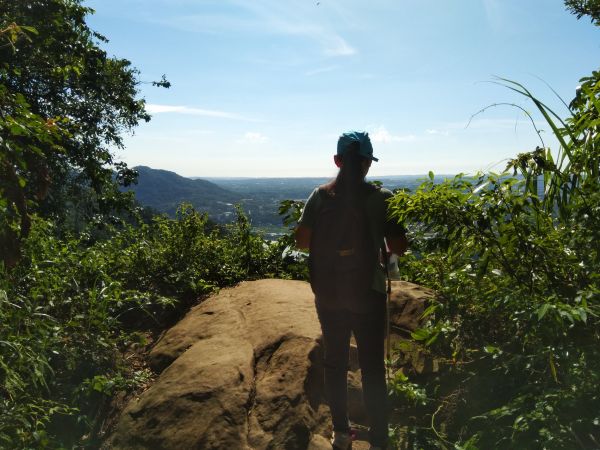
x,y
350,180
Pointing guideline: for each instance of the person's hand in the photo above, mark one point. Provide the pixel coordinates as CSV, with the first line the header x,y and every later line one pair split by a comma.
x,y
398,244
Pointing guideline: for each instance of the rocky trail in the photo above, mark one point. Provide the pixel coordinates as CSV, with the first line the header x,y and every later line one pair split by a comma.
x,y
243,370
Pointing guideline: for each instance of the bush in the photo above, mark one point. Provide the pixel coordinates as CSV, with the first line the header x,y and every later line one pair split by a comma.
x,y
72,306
516,319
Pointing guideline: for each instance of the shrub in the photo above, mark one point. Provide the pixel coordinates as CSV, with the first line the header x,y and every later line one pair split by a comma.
x,y
517,315
72,306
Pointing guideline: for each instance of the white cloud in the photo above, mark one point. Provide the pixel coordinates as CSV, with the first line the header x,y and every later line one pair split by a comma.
x,y
382,135
253,138
321,70
336,46
436,131
153,108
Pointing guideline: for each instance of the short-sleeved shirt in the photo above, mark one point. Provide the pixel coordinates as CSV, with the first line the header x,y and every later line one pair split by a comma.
x,y
380,224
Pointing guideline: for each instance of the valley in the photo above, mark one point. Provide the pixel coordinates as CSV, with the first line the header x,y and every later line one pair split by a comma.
x,y
259,197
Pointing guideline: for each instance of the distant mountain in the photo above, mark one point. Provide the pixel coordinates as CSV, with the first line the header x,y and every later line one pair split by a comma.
x,y
260,197
165,191
298,188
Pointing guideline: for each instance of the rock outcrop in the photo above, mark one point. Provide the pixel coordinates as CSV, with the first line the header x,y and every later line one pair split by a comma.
x,y
407,304
243,371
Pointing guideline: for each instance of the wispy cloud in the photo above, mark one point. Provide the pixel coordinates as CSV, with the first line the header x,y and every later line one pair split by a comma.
x,y
252,137
310,73
153,108
299,19
264,18
337,46
382,135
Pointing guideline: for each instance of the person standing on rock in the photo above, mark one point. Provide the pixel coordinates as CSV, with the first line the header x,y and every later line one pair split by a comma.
x,y
343,225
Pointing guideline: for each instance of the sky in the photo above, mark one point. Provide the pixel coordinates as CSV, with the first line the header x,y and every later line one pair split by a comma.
x,y
263,88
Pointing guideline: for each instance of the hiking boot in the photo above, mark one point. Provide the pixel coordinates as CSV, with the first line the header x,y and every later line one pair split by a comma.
x,y
341,440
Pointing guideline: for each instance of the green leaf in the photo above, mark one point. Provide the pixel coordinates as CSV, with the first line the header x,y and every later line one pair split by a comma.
x,y
433,338
567,315
491,349
399,376
430,310
542,310
420,334
29,29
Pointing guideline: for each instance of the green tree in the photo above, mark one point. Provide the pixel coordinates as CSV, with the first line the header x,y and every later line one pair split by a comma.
x,y
585,8
64,104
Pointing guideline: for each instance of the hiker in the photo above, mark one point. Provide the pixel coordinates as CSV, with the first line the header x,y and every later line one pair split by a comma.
x,y
343,225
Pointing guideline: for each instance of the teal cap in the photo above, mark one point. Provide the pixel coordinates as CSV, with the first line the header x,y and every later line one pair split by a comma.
x,y
365,148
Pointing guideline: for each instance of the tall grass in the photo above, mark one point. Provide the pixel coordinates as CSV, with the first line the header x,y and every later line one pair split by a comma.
x,y
574,174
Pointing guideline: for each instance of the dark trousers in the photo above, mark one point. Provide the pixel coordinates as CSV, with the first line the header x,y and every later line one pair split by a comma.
x,y
369,332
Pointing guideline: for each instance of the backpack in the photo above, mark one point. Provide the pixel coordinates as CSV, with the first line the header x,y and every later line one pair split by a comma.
x,y
342,256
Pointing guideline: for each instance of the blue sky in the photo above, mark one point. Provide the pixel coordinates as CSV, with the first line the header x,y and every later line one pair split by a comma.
x,y
264,87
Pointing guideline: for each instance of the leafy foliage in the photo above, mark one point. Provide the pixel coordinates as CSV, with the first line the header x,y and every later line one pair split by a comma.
x,y
517,316
515,263
64,105
514,260
81,281
72,306
585,8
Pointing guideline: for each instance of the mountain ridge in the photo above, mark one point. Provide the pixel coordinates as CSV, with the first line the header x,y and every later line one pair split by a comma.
x,y
260,197
165,191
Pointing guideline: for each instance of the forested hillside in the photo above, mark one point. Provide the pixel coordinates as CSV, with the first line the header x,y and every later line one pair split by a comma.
x,y
165,191
87,281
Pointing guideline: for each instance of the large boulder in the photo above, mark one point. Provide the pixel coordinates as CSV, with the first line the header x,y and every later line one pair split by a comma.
x,y
243,370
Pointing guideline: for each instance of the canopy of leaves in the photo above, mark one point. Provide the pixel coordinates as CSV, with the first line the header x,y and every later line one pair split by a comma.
x,y
585,8
64,103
